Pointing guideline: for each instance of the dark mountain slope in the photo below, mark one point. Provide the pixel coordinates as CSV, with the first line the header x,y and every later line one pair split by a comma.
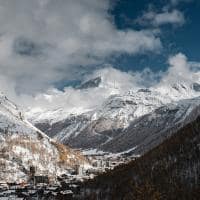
x,y
95,82
152,129
169,171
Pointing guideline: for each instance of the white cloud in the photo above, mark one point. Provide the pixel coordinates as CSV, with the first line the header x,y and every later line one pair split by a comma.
x,y
116,82
79,100
113,82
43,41
168,14
174,17
181,70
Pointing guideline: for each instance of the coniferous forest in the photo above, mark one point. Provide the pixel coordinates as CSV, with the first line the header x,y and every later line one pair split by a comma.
x,y
169,171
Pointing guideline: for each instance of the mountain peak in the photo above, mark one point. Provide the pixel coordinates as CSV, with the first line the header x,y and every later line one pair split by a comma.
x,y
92,83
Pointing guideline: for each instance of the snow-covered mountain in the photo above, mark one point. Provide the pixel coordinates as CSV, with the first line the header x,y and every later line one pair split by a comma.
x,y
22,145
102,125
151,129
114,114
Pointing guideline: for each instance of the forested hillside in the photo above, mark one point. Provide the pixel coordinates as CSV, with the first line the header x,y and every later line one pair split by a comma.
x,y
169,171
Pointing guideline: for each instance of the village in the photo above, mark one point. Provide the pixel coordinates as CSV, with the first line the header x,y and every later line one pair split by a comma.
x,y
65,186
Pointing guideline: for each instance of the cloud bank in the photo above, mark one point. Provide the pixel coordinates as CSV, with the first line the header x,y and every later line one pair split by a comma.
x,y
114,81
181,70
45,41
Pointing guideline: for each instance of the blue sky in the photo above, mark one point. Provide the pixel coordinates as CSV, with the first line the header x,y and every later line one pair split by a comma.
x,y
175,39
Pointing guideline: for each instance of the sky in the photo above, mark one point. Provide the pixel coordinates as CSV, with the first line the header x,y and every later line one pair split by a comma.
x,y
177,36
53,45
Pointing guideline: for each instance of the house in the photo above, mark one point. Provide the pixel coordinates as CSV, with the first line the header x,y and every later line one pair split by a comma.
x,y
41,179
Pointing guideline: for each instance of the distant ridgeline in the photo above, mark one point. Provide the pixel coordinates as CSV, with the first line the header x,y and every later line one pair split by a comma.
x,y
169,171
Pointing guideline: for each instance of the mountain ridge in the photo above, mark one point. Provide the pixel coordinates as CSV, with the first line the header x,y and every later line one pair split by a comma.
x,y
23,146
100,126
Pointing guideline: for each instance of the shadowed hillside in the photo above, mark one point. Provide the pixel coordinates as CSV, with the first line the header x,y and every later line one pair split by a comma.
x,y
169,171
